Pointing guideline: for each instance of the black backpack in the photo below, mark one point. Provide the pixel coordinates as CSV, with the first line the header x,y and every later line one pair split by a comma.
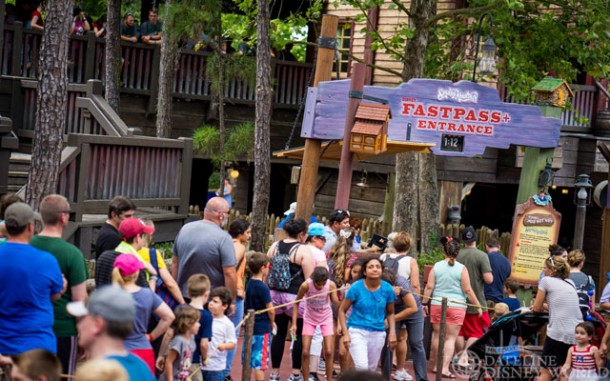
x,y
392,263
279,277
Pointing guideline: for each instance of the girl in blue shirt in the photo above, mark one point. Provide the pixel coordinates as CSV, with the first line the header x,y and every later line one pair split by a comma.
x,y
372,301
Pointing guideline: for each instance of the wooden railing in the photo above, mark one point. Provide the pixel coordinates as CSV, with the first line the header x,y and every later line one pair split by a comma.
x,y
580,116
153,172
140,68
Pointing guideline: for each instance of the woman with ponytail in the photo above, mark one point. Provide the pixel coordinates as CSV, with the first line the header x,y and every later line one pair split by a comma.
x,y
125,273
449,279
559,293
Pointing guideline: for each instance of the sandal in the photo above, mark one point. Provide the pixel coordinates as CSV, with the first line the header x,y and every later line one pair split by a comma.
x,y
450,375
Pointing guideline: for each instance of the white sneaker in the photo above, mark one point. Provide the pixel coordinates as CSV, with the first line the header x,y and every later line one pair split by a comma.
x,y
322,365
295,377
274,377
402,375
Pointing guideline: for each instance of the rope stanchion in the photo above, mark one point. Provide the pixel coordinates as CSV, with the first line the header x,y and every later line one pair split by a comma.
x,y
440,353
258,312
247,369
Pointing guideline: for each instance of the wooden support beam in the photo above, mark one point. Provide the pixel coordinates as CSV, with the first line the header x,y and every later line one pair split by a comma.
x,y
311,157
346,164
604,257
451,194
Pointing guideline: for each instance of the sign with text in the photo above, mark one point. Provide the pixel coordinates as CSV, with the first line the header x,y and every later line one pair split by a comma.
x,y
535,227
461,118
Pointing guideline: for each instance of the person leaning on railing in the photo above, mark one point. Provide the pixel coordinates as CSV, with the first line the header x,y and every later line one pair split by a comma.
x,y
129,29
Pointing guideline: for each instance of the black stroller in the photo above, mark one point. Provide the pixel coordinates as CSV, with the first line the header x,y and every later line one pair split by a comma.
x,y
509,350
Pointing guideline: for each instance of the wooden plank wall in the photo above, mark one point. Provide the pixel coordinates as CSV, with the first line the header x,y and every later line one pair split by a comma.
x,y
389,21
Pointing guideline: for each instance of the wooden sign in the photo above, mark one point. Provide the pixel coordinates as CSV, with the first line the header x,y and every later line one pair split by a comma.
x,y
535,227
435,111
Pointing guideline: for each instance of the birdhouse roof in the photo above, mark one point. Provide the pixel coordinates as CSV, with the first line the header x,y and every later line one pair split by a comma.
x,y
368,128
373,111
550,84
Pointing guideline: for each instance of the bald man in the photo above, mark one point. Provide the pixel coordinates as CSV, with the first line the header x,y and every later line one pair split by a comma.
x,y
204,247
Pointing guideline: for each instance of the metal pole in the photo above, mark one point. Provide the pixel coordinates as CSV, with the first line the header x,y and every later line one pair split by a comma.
x,y
579,223
440,353
246,369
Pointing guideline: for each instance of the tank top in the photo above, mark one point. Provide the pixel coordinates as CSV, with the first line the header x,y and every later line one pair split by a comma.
x,y
296,271
583,360
240,273
448,283
317,309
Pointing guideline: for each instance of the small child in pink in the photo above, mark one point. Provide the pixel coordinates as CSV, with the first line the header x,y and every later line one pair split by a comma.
x,y
318,312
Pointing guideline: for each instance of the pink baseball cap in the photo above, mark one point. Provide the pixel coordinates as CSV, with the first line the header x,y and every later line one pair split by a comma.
x,y
131,227
128,264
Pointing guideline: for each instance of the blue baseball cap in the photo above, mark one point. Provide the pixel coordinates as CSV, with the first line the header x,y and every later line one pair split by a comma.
x,y
316,229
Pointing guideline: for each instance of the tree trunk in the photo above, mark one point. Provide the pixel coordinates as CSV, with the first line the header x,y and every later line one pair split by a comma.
x,y
113,63
52,95
262,152
169,57
416,203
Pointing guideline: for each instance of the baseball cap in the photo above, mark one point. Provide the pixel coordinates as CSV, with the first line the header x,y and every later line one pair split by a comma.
x,y
19,214
292,209
316,229
469,235
112,303
131,227
128,264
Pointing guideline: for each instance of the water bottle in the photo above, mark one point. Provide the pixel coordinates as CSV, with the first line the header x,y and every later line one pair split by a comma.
x,y
292,340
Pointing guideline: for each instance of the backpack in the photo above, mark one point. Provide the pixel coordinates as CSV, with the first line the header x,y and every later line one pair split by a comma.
x,y
279,277
584,299
392,263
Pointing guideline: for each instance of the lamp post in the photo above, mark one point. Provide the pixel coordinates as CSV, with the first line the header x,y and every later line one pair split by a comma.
x,y
488,61
582,198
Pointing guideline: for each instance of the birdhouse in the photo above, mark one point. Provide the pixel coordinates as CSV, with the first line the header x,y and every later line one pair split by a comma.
x,y
370,130
553,91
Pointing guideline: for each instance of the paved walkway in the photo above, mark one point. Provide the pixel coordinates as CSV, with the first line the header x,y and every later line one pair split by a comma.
x,y
236,371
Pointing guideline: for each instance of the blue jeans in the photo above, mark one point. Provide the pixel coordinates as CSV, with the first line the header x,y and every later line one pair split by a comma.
x,y
236,319
212,375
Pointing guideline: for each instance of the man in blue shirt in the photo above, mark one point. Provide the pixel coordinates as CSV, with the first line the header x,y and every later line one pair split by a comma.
x,y
103,325
30,280
500,268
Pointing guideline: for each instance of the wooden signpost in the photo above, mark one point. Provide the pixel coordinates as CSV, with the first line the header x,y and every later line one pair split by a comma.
x,y
536,226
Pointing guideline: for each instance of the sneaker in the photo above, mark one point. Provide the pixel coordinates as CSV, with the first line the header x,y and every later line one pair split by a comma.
x,y
274,377
322,365
313,377
402,375
228,378
295,377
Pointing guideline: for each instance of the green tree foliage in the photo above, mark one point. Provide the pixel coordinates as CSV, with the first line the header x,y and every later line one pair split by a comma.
x,y
535,38
238,144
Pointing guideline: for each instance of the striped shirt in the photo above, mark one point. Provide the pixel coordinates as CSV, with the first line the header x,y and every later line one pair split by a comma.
x,y
564,313
583,360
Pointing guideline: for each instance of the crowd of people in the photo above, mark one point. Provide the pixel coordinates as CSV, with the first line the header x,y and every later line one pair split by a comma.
x,y
317,287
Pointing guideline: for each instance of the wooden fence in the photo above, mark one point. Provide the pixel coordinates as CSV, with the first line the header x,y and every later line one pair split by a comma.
x,y
374,225
140,69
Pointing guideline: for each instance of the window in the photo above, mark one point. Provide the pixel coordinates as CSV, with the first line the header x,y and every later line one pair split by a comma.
x,y
344,42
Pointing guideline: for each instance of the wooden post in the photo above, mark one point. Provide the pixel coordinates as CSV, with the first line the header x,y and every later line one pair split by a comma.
x,y
311,156
534,161
90,56
154,81
17,50
451,194
388,205
440,354
246,369
604,265
344,184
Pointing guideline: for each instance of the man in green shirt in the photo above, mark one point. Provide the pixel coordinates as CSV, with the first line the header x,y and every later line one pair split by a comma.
x,y
479,270
55,213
